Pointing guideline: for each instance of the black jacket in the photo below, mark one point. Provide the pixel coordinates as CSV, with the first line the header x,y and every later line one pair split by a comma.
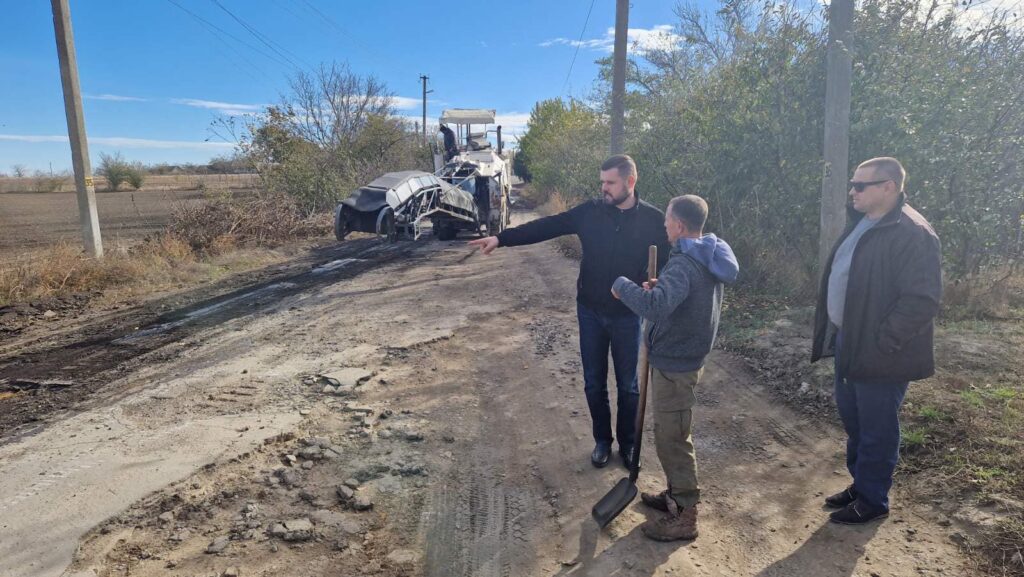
x,y
891,301
614,244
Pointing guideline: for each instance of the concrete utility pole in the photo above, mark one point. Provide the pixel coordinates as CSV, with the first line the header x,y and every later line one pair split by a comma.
x,y
424,78
76,128
619,76
839,61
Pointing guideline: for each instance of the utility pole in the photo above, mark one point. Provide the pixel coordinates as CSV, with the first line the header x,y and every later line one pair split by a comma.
x,y
619,76
424,78
76,128
839,62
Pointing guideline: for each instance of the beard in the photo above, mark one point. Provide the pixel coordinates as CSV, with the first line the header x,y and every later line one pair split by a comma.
x,y
611,198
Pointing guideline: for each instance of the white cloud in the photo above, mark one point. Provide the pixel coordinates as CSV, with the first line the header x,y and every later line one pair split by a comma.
x,y
981,12
512,123
123,142
640,40
229,108
406,102
114,98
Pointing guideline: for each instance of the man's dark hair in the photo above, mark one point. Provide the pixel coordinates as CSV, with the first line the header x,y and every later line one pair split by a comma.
x,y
623,162
691,209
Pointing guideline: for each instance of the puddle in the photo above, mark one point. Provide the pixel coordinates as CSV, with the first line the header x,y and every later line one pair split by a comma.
x,y
335,265
201,312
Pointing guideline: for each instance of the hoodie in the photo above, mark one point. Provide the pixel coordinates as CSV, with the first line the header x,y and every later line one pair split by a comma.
x,y
683,308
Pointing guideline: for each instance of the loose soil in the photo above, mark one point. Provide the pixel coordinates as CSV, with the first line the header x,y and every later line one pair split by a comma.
x,y
35,220
210,439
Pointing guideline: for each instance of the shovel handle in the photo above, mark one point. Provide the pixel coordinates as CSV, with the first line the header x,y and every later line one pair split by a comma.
x,y
652,262
643,370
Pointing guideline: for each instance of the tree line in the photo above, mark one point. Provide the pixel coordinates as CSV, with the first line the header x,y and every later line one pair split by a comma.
x,y
734,112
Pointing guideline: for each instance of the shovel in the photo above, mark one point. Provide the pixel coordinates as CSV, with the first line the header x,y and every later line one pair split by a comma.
x,y
625,490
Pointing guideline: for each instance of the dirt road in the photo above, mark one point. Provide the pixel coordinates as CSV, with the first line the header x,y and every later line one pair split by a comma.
x,y
460,446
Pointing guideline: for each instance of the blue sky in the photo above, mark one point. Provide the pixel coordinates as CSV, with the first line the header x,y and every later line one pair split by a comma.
x,y
154,76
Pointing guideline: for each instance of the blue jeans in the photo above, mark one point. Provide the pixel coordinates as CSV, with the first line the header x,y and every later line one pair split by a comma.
x,y
598,332
871,416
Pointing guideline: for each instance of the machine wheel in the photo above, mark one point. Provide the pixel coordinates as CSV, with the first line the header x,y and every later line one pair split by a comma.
x,y
446,231
340,224
386,225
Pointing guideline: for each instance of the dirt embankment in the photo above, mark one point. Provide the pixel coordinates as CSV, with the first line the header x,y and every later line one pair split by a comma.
x,y
423,415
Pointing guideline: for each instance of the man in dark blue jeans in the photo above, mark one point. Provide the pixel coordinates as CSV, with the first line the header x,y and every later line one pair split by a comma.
x,y
620,332
615,232
872,450
879,296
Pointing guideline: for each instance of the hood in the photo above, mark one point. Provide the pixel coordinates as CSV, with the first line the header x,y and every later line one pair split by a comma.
x,y
714,253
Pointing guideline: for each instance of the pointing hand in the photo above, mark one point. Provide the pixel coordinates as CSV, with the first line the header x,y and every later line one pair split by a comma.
x,y
486,245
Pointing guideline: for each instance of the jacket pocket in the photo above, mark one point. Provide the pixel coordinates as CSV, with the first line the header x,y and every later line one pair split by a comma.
x,y
654,336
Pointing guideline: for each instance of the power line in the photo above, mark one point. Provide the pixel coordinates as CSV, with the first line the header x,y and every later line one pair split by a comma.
x,y
269,43
325,17
213,28
338,28
578,43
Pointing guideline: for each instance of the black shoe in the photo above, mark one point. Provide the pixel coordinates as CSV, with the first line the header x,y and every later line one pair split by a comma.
x,y
599,458
626,453
858,513
842,498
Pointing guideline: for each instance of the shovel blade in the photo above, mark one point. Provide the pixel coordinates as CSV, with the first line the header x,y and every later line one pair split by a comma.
x,y
609,507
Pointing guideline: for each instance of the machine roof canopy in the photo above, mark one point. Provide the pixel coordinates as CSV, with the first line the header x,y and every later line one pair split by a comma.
x,y
468,116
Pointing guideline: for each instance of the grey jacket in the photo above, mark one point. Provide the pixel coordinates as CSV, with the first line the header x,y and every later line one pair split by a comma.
x,y
683,308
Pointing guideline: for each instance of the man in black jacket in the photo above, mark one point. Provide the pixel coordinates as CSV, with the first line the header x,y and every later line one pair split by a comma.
x,y
451,149
879,296
615,232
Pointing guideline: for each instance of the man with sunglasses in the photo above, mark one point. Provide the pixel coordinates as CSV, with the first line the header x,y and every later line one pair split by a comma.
x,y
878,299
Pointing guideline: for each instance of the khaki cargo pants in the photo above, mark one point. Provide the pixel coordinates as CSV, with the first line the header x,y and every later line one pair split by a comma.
x,y
673,417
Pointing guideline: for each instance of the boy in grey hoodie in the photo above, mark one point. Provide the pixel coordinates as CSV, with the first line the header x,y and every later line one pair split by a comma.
x,y
681,308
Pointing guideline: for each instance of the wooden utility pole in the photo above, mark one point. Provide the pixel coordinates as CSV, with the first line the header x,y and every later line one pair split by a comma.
x,y
619,76
424,78
839,61
76,128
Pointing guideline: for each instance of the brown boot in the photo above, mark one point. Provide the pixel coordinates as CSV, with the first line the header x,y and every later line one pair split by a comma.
x,y
677,525
657,501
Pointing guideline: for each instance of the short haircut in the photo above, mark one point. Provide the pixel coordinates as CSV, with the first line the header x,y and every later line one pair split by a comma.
x,y
691,209
888,167
623,162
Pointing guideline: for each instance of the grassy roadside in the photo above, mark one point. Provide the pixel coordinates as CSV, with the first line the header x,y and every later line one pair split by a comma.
x,y
963,429
547,205
202,243
64,271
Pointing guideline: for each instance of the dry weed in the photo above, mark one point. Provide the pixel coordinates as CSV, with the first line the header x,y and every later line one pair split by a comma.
x,y
567,245
223,223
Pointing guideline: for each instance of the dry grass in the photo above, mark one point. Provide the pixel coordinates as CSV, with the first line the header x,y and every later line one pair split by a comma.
x,y
994,293
203,241
156,265
567,245
223,223
64,269
532,196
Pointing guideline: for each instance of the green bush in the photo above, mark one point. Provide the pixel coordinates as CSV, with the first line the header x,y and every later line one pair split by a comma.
x,y
115,169
135,175
734,112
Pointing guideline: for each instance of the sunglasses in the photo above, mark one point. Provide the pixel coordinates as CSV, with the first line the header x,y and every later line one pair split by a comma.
x,y
860,186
